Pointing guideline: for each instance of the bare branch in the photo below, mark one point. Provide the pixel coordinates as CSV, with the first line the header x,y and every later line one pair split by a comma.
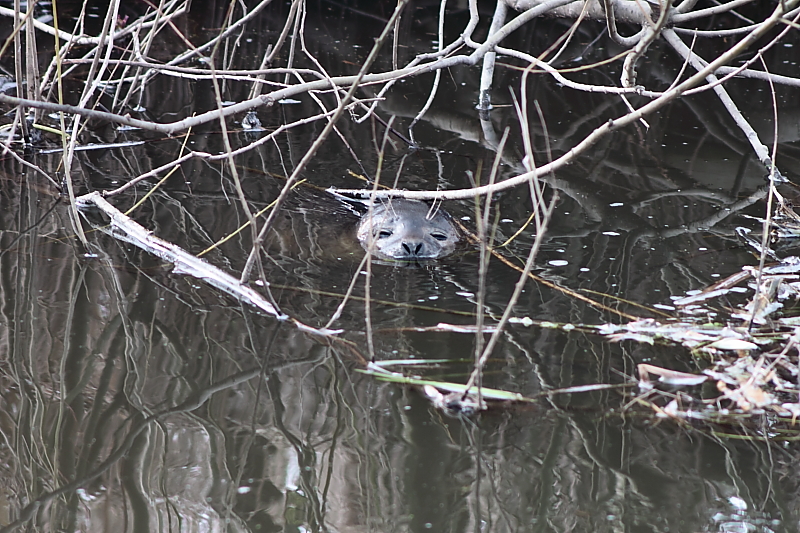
x,y
612,125
708,12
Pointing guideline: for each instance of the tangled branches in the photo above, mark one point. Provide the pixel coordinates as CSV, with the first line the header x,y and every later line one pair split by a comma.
x,y
127,75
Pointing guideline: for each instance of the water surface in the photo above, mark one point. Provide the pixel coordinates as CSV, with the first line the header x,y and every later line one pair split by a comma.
x,y
137,399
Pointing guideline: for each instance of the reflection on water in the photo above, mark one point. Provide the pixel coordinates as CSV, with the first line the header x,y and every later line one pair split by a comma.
x,y
137,399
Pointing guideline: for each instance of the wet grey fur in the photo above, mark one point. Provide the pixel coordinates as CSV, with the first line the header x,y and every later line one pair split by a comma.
x,y
407,230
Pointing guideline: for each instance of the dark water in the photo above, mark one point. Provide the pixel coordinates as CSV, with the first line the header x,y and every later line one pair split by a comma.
x,y
138,400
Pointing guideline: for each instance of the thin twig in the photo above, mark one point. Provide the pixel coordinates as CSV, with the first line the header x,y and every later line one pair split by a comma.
x,y
601,131
326,131
767,225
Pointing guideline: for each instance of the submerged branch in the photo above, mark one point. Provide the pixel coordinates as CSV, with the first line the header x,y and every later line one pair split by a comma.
x,y
127,230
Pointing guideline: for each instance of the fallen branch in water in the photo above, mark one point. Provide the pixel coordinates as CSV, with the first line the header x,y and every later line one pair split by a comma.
x,y
125,229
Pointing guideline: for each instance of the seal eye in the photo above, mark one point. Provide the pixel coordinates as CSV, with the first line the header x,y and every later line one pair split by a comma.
x,y
439,236
382,234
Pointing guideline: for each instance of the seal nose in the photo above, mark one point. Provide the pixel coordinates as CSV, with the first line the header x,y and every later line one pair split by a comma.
x,y
413,248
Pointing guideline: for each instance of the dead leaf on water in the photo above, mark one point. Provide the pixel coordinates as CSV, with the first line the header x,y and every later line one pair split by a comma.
x,y
670,377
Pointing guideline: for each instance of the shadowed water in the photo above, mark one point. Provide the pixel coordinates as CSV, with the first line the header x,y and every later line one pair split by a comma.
x,y
139,400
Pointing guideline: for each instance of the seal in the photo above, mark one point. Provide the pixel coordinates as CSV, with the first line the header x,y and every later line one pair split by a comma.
x,y
407,230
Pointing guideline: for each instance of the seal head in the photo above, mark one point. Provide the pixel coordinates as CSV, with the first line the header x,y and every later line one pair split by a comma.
x,y
407,230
